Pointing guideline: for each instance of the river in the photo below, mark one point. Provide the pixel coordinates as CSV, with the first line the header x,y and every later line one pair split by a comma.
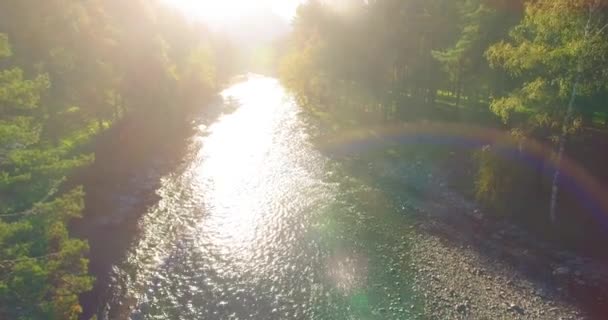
x,y
259,224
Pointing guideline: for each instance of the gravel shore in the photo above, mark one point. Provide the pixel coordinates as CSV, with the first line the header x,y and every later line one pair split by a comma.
x,y
458,283
469,267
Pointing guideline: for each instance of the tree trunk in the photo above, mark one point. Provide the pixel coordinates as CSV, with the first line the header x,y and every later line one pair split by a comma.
x,y
562,139
560,152
458,93
458,90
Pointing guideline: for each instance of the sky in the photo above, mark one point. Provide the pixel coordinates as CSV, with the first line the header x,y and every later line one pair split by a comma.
x,y
224,11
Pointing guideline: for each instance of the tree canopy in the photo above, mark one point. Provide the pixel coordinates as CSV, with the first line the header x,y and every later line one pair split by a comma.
x,y
534,69
70,70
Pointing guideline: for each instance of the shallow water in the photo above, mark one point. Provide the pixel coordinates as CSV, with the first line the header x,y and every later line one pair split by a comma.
x,y
258,224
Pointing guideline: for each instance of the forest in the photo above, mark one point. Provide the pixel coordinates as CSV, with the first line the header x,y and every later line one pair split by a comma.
x,y
523,82
70,71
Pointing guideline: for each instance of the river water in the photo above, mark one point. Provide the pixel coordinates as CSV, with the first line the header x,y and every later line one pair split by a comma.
x,y
259,224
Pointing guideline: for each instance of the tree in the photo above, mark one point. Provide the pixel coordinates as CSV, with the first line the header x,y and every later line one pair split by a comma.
x,y
557,52
42,270
481,25
73,70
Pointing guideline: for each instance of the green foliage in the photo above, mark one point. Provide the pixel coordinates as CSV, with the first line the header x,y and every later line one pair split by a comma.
x,y
44,270
71,70
556,47
557,55
496,178
5,48
534,67
381,61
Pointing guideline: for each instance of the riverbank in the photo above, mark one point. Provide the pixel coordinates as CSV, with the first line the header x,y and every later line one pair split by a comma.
x,y
459,283
467,265
117,194
121,185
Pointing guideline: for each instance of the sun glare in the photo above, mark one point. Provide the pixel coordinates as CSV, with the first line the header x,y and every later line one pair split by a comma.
x,y
221,10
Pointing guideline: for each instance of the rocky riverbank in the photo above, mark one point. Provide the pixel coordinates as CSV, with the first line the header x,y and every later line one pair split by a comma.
x,y
459,283
469,265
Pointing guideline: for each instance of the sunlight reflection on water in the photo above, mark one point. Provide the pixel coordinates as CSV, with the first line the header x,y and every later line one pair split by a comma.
x,y
250,228
242,173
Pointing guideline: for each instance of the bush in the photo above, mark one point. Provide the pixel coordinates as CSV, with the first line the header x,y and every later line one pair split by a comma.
x,y
509,179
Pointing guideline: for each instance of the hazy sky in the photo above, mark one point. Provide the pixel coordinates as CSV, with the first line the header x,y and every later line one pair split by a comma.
x,y
225,10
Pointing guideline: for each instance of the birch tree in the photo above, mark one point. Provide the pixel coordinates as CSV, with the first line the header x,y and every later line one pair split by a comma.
x,y
558,54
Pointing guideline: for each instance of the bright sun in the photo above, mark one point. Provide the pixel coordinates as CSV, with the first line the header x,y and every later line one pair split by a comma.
x,y
218,10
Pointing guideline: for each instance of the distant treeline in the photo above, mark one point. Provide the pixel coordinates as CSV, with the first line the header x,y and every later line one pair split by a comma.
x,y
534,69
70,70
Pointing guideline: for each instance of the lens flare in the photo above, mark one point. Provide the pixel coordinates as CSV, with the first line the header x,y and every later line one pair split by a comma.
x,y
591,194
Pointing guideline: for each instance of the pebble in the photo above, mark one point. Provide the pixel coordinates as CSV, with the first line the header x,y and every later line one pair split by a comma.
x,y
495,292
561,271
516,308
462,307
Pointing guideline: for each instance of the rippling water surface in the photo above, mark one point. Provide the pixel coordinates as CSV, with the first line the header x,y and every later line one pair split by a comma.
x,y
260,225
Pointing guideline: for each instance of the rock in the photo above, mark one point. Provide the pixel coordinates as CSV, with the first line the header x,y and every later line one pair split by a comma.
x,y
462,308
516,308
561,271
